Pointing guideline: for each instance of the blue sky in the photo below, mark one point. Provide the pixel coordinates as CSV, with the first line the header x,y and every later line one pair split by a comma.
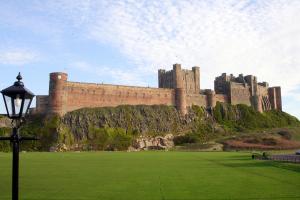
x,y
126,42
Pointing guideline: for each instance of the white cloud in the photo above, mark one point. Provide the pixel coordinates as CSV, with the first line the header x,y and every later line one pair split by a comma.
x,y
250,37
115,74
17,56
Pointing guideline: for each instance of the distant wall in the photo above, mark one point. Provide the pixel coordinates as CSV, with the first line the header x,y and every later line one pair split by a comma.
x,y
42,103
221,98
100,95
196,99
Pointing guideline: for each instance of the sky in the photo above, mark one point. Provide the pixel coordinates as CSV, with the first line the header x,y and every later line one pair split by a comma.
x,y
126,41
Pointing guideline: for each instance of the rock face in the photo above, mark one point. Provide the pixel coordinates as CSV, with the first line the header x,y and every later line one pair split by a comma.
x,y
157,119
150,143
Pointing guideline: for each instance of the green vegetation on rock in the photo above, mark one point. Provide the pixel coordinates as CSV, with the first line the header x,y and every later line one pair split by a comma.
x,y
242,118
115,128
109,138
141,119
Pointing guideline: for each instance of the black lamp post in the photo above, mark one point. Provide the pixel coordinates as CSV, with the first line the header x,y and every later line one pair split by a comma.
x,y
17,101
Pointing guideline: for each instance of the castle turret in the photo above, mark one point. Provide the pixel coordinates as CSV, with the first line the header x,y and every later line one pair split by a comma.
x,y
210,98
278,98
196,71
180,100
58,93
180,94
161,73
177,76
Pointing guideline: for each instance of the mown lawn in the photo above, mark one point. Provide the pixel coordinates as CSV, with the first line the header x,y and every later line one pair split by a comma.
x,y
149,175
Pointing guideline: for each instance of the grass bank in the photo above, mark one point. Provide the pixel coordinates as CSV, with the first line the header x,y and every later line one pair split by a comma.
x,y
149,175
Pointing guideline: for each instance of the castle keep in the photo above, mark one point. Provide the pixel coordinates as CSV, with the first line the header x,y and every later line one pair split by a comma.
x,y
177,87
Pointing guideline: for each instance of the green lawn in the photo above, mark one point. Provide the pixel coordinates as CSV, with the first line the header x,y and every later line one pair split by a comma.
x,y
149,175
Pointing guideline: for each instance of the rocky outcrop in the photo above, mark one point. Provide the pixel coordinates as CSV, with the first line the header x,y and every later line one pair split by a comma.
x,y
158,119
59,148
153,143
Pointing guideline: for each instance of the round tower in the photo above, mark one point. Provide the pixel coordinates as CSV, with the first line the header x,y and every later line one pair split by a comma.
x,y
180,94
58,93
177,76
196,71
210,98
180,100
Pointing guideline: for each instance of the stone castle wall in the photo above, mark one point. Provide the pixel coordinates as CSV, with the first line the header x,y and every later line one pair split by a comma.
x,y
239,94
42,103
65,96
177,87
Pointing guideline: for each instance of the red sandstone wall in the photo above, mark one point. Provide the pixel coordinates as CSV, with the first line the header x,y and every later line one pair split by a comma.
x,y
239,94
101,95
196,99
42,103
221,98
278,98
272,97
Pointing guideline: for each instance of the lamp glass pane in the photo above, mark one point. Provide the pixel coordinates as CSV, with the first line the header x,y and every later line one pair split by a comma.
x,y
9,105
18,104
26,106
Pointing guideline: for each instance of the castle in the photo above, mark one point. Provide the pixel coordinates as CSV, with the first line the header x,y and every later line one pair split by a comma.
x,y
178,87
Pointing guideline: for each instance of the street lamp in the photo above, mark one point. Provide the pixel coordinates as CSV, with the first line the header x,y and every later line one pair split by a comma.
x,y
17,100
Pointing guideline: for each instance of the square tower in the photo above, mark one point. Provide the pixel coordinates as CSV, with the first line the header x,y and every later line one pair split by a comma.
x,y
189,80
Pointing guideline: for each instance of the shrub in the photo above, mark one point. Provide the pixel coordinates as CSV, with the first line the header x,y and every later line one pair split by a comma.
x,y
269,141
185,139
285,134
5,145
109,138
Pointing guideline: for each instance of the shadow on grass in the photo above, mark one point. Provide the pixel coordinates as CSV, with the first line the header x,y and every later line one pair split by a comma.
x,y
247,162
